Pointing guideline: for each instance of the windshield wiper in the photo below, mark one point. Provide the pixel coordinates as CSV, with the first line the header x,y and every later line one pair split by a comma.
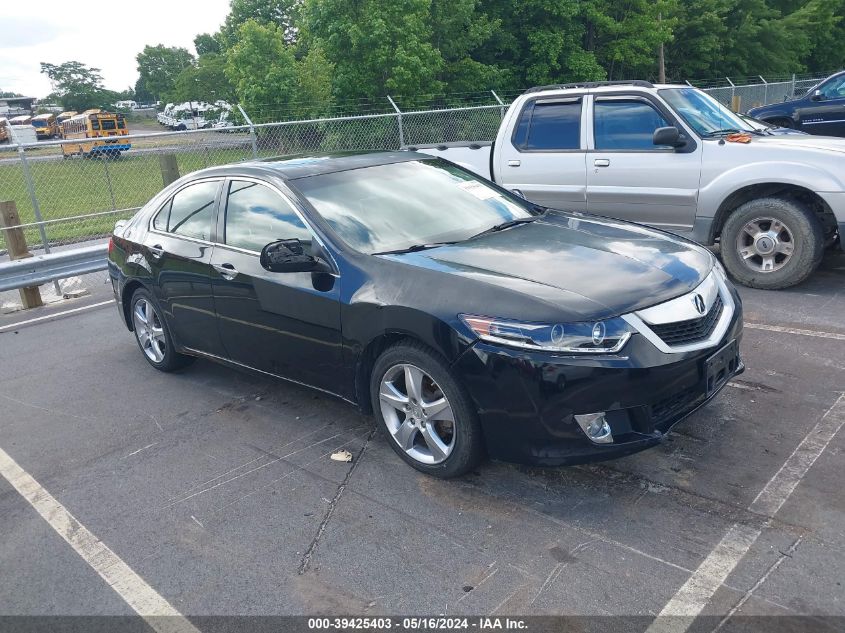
x,y
505,225
414,248
731,130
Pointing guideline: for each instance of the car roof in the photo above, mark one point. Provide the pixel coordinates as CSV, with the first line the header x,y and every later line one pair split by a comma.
x,y
314,164
599,87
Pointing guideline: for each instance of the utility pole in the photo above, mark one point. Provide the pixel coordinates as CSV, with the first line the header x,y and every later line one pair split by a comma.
x,y
661,60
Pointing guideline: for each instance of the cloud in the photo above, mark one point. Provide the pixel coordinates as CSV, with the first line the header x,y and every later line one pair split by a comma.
x,y
18,31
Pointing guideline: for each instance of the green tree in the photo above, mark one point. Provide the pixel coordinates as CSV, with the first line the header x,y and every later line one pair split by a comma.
x,y
314,78
281,13
207,44
77,86
624,35
158,67
378,47
205,81
262,69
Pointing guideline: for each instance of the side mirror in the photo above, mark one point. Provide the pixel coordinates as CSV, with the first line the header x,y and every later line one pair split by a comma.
x,y
288,256
818,95
670,136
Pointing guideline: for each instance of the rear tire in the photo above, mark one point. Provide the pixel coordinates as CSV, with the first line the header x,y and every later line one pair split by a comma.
x,y
153,335
425,413
772,243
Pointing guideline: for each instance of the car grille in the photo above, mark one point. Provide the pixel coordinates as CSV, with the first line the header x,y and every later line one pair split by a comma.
x,y
693,330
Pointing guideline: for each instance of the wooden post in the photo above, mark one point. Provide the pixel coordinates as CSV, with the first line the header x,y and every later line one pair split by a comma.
x,y
16,245
736,103
169,168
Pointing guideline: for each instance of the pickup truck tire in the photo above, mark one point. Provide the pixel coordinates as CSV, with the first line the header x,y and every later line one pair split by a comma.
x,y
772,243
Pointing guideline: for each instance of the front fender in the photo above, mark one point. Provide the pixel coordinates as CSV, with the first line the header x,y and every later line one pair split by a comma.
x,y
814,178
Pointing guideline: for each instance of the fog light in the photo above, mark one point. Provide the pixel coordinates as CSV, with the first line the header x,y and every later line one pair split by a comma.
x,y
596,427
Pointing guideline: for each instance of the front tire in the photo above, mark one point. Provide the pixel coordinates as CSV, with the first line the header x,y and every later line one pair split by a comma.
x,y
425,413
152,335
772,243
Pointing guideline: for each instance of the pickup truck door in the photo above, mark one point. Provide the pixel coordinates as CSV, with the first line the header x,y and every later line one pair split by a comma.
x,y
825,113
544,157
630,178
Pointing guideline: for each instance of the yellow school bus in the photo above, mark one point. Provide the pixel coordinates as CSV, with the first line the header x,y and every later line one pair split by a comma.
x,y
103,131
64,116
45,126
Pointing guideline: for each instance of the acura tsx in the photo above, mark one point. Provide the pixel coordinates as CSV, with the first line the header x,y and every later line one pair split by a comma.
x,y
469,321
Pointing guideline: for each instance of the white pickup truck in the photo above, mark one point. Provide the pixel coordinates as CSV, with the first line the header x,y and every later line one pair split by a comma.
x,y
672,157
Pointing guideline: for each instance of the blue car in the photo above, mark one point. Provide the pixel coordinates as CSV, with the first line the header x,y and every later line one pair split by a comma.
x,y
820,111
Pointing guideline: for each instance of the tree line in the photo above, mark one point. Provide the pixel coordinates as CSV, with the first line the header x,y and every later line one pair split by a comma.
x,y
298,58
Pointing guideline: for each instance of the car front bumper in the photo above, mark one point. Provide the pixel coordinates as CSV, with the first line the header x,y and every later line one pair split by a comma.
x,y
527,401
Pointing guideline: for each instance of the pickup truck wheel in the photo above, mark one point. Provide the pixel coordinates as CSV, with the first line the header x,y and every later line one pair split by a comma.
x,y
772,243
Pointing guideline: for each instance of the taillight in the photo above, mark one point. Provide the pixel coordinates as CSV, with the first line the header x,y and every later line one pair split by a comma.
x,y
111,245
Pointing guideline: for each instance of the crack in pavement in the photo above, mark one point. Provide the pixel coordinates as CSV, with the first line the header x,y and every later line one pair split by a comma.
x,y
306,558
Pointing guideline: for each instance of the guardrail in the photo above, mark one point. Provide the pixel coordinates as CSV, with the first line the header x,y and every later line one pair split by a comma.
x,y
40,269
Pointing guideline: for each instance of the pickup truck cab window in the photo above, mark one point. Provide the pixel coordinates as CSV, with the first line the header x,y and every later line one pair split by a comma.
x,y
256,215
625,124
546,125
834,88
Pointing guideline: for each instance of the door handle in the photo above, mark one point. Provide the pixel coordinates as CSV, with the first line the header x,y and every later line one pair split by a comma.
x,y
514,163
156,251
227,271
602,162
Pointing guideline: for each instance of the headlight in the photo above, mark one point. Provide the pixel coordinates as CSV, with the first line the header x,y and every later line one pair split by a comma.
x,y
591,337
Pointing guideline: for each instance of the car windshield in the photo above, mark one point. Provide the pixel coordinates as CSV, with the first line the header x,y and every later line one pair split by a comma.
x,y
408,204
702,112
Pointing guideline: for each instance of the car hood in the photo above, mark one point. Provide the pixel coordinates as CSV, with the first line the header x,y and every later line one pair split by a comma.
x,y
801,141
588,267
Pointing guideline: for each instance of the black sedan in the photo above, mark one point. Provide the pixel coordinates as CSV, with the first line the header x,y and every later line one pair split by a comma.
x,y
820,111
468,320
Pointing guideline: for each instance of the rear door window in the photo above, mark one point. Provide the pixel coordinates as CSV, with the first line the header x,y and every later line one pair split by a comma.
x,y
190,212
549,126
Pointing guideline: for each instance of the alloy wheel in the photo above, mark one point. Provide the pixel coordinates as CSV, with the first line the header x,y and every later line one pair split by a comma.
x,y
765,244
417,414
149,330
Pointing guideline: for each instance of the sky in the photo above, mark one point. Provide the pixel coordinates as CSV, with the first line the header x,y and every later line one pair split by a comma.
x,y
57,31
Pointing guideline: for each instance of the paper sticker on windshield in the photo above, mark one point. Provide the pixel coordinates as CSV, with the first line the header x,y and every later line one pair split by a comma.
x,y
479,190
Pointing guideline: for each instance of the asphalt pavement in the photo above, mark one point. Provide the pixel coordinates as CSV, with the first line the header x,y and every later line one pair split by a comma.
x,y
216,491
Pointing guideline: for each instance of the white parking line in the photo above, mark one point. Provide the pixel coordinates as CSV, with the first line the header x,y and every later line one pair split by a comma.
x,y
143,599
697,591
789,330
12,326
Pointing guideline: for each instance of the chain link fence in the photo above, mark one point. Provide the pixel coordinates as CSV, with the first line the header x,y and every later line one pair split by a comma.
x,y
757,91
64,200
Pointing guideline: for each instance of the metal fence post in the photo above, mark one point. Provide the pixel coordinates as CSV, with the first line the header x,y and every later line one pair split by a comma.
x,y
766,90
501,103
792,93
252,136
399,118
733,88
36,209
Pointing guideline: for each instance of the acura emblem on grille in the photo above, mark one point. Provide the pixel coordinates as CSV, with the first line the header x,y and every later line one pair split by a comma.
x,y
698,302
